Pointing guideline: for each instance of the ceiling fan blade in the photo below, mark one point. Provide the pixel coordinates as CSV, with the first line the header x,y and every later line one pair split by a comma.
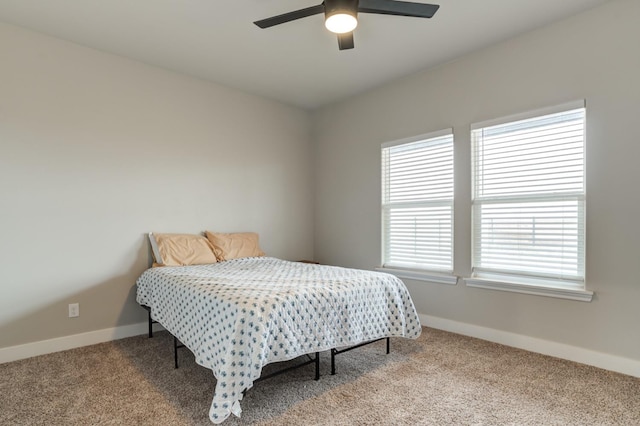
x,y
290,16
345,41
400,8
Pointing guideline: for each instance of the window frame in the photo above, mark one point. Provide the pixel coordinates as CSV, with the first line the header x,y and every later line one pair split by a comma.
x,y
443,276
525,283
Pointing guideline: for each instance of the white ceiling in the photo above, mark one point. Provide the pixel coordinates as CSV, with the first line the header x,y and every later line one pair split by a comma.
x,y
298,62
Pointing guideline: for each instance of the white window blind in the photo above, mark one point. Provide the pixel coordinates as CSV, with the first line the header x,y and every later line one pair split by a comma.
x,y
417,203
529,197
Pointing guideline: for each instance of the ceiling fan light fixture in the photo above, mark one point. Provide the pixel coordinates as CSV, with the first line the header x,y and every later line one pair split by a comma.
x,y
341,22
340,16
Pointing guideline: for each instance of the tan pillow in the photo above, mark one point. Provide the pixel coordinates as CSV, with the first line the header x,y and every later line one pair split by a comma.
x,y
182,249
234,245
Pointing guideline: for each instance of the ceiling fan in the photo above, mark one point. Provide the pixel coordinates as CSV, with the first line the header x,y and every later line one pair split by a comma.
x,y
341,16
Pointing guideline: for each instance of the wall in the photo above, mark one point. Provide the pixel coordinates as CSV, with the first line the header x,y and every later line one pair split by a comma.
x,y
97,150
592,56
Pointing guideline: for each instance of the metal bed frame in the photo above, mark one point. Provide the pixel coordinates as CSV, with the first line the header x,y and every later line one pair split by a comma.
x,y
312,360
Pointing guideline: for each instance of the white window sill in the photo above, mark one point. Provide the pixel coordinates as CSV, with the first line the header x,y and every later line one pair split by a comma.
x,y
550,290
421,276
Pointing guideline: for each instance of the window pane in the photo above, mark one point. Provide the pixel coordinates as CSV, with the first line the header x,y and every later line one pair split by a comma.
x,y
539,238
419,237
543,155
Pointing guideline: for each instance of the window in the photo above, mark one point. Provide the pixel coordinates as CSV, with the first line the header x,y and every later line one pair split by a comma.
x,y
417,203
529,198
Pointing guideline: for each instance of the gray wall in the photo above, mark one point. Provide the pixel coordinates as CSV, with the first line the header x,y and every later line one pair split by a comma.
x,y
592,56
96,150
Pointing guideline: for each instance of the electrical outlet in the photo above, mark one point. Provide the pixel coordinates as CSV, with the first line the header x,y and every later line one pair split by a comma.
x,y
74,310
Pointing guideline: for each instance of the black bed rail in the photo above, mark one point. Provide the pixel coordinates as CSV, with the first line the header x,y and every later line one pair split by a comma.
x,y
335,351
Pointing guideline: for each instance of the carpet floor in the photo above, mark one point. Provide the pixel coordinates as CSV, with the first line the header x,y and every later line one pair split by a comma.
x,y
439,379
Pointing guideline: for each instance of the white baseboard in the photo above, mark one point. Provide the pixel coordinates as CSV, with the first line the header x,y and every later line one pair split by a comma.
x,y
602,360
28,350
605,361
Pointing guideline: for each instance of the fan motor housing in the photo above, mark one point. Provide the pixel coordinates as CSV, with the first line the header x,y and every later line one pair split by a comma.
x,y
331,7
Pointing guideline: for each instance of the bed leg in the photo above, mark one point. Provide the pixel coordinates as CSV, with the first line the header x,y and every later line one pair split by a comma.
x,y
333,361
317,366
388,346
150,325
175,351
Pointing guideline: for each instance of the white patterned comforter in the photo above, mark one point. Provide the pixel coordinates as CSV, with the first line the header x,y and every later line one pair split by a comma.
x,y
239,315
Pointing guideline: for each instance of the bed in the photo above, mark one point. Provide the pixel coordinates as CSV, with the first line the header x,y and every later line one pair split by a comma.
x,y
239,315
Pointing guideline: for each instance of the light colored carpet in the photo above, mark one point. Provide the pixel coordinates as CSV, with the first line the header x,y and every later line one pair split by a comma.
x,y
440,379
